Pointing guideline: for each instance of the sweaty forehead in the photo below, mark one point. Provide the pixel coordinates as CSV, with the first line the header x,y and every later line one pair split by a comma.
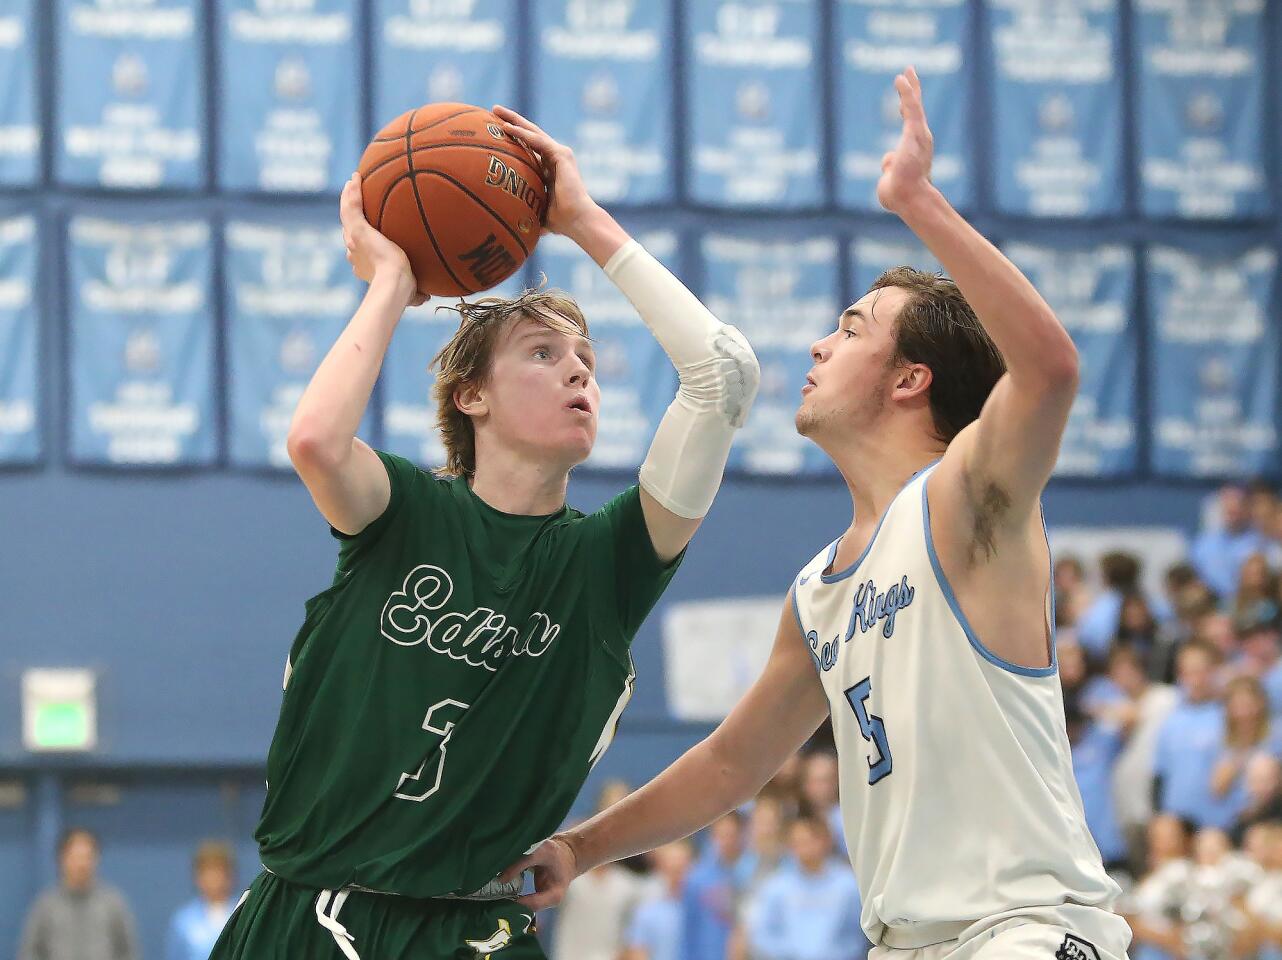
x,y
528,328
878,306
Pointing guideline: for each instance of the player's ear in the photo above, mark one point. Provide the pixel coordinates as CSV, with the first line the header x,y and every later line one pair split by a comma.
x,y
470,399
912,380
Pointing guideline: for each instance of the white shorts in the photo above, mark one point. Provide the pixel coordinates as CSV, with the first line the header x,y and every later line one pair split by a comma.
x,y
1066,932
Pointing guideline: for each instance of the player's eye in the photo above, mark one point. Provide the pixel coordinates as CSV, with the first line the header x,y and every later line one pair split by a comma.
x,y
542,353
589,361
848,332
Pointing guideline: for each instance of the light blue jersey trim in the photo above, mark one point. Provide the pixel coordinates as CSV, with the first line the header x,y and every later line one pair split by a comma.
x,y
832,553
801,627
953,605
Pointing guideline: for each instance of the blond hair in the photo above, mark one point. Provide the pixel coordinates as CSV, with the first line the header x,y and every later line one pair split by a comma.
x,y
467,359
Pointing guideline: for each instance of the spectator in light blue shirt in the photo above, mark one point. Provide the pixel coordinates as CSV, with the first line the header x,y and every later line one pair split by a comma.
x,y
808,910
196,926
1098,623
1188,744
655,930
1246,732
1218,553
1260,641
1095,747
710,902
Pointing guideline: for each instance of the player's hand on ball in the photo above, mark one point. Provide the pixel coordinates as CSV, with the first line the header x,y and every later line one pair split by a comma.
x,y
368,251
568,198
554,866
905,171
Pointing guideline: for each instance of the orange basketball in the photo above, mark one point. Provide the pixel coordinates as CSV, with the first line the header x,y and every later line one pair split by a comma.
x,y
463,199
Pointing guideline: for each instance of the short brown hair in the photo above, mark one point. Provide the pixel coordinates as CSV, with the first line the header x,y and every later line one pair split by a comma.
x,y
938,328
213,853
467,358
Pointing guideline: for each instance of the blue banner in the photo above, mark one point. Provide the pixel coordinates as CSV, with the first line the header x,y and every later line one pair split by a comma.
x,y
141,341
875,41
1092,293
873,253
409,409
289,95
19,111
1201,108
1057,108
1213,362
752,83
289,294
603,85
782,295
19,325
636,377
428,51
131,94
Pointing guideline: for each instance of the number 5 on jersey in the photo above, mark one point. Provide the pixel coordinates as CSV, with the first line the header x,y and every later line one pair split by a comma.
x,y
440,720
872,728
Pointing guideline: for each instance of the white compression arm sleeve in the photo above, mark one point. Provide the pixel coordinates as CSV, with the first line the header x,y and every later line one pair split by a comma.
x,y
718,375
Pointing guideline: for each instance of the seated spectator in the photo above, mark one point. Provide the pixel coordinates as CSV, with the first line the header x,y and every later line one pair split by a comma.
x,y
1257,585
809,909
1216,630
1188,743
767,844
1095,746
819,798
1074,672
1154,907
785,787
1260,650
655,930
1246,732
711,899
194,929
1263,780
1139,629
1139,714
81,917
1218,551
1264,900
1096,627
1262,505
1072,595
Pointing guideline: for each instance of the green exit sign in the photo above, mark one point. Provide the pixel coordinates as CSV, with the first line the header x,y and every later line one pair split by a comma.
x,y
59,710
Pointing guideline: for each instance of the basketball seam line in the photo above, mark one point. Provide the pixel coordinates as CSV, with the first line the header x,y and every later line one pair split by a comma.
x,y
410,126
422,214
441,146
481,203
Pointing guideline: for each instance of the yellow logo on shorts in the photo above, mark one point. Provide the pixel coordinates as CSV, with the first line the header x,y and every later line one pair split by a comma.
x,y
497,940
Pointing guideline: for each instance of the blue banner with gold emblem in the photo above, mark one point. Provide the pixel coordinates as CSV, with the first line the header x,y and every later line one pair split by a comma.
x,y
875,41
780,290
602,84
288,90
409,407
20,440
752,85
1201,111
19,110
1213,361
432,51
636,377
289,293
130,94
1092,292
1057,108
141,341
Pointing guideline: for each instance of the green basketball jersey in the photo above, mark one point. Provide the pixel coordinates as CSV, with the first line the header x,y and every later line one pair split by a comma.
x,y
448,694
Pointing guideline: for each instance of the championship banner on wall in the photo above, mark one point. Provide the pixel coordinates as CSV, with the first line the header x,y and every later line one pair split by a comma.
x,y
1092,293
131,100
603,84
874,43
429,51
1201,109
409,409
753,87
782,295
875,252
289,293
19,111
20,440
1057,108
636,378
289,86
1213,362
141,342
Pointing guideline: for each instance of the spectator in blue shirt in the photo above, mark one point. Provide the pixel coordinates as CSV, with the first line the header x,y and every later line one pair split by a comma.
x,y
1098,623
1246,732
1260,642
809,910
1218,553
196,926
655,930
819,794
710,902
1189,741
1095,747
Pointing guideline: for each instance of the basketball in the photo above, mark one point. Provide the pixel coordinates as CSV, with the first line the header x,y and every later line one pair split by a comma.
x,y
451,188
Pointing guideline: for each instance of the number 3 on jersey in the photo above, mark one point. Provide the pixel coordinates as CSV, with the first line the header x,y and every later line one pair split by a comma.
x,y
872,728
440,720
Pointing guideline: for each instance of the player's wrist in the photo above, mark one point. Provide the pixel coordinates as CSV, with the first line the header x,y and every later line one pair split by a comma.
x,y
574,848
916,200
397,278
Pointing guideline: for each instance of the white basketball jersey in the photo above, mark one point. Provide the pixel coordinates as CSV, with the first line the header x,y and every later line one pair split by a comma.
x,y
957,789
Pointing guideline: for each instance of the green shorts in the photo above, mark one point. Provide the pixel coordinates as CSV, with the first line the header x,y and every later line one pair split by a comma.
x,y
278,920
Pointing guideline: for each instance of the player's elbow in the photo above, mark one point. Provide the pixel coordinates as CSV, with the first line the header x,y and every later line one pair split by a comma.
x,y
311,450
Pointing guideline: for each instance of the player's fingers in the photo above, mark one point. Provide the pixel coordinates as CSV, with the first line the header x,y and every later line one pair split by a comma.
x,y
350,209
514,871
542,899
511,116
911,74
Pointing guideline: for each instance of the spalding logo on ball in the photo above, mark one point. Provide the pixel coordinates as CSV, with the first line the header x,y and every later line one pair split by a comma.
x,y
464,200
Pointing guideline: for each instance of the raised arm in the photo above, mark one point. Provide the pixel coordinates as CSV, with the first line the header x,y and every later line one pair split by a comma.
x,y
774,718
717,370
345,477
1001,462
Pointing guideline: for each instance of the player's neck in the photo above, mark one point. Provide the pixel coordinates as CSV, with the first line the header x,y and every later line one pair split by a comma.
x,y
876,465
511,484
